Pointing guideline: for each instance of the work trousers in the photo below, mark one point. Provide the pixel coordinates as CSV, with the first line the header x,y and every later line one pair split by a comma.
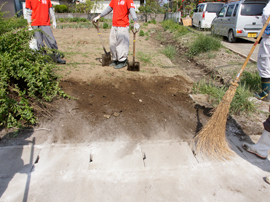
x,y
263,62
119,43
46,35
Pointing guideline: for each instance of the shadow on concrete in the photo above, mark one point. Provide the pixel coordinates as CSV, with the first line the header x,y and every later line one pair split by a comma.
x,y
12,161
236,137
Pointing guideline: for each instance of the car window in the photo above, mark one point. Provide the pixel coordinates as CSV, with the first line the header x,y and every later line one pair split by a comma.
x,y
222,12
213,7
252,9
229,11
235,10
201,8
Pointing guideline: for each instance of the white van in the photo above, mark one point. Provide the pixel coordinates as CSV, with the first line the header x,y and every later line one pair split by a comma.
x,y
239,19
205,13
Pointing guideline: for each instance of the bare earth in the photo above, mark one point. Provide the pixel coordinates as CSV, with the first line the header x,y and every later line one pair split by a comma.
x,y
153,104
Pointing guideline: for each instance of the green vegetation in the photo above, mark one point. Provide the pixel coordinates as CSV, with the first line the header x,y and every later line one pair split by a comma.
x,y
240,102
105,25
203,44
60,8
28,78
169,51
141,33
171,26
145,58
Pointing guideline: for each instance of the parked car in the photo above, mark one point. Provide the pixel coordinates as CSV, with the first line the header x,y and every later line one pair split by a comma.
x,y
205,13
239,19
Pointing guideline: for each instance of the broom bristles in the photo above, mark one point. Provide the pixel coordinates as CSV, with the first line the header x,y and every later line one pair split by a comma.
x,y
211,140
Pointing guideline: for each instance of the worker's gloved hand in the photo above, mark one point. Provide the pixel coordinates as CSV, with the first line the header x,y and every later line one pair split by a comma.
x,y
54,25
30,28
136,27
96,18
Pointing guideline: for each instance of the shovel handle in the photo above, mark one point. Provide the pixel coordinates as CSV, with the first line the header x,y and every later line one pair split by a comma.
x,y
252,49
96,25
134,33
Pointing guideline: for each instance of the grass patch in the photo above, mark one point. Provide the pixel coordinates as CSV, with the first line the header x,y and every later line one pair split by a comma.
x,y
177,29
203,44
144,57
240,102
169,51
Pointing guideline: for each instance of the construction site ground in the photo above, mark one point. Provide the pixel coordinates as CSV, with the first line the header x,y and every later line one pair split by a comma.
x,y
128,135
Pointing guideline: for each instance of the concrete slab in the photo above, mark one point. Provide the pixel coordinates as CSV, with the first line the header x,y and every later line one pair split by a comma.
x,y
63,158
14,188
164,155
116,156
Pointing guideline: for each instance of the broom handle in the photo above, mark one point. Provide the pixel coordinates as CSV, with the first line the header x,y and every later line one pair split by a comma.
x,y
252,49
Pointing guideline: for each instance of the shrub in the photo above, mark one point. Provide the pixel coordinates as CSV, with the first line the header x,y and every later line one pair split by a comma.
x,y
141,33
174,27
27,80
105,25
60,8
204,43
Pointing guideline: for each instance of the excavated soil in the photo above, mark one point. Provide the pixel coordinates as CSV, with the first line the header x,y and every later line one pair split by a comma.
x,y
152,104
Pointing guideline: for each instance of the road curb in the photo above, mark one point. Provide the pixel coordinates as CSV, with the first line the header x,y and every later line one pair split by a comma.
x,y
240,54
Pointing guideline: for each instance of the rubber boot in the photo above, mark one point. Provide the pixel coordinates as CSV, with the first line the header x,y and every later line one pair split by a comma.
x,y
59,59
261,148
121,64
265,94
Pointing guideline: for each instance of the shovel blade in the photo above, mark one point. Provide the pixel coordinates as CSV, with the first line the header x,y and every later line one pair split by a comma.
x,y
106,59
133,66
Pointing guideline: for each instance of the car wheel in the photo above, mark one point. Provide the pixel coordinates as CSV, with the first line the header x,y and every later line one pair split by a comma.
x,y
231,37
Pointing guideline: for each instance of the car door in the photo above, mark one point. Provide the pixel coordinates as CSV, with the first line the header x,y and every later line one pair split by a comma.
x,y
218,21
227,22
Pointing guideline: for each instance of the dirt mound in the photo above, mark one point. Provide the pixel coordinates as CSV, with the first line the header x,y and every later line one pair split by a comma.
x,y
127,109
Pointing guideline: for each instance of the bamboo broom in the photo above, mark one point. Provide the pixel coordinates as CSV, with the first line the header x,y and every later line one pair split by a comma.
x,y
211,140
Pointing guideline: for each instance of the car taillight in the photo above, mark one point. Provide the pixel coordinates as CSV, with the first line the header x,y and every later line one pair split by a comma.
x,y
203,15
239,31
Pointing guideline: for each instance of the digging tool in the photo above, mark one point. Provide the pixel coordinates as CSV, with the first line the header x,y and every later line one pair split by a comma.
x,y
211,140
106,58
133,66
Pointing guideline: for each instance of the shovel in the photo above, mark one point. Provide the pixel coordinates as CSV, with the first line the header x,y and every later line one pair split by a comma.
x,y
133,66
106,58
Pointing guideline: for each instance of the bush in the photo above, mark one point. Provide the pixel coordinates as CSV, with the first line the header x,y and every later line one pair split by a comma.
x,y
27,81
141,33
179,30
105,25
203,44
60,8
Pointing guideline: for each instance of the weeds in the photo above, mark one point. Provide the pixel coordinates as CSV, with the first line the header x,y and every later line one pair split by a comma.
x,y
144,57
141,33
177,29
169,51
240,102
203,44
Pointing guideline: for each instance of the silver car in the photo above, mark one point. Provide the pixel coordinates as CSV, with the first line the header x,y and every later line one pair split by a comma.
x,y
239,19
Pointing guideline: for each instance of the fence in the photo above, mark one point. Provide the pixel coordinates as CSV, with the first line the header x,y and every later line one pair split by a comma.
x,y
176,17
141,17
